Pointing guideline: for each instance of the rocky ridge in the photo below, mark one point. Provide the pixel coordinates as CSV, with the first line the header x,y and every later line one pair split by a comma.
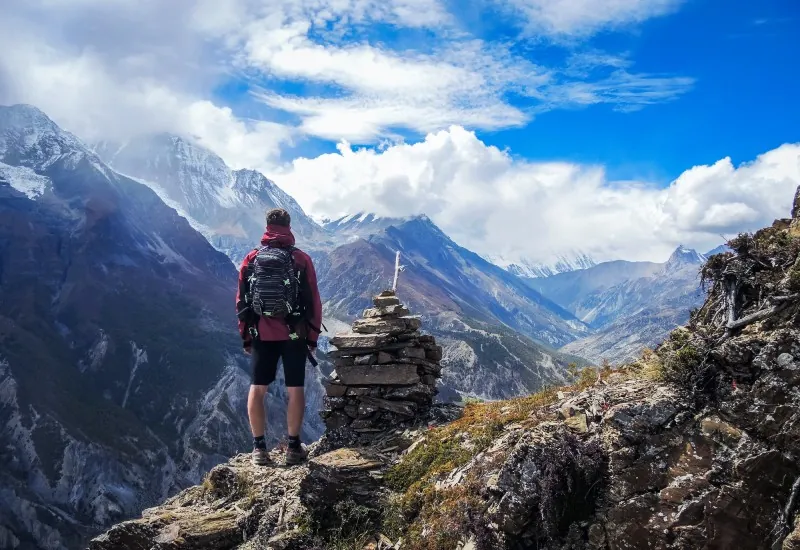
x,y
694,445
386,371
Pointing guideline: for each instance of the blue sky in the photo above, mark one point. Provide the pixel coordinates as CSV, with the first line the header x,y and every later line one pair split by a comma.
x,y
525,128
742,100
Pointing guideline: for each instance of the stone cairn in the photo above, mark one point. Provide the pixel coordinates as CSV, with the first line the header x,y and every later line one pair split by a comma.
x,y
385,371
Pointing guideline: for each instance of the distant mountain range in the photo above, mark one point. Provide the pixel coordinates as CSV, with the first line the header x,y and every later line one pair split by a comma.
x,y
121,374
628,305
560,263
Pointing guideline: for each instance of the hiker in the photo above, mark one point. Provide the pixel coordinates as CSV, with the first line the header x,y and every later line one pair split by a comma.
x,y
280,314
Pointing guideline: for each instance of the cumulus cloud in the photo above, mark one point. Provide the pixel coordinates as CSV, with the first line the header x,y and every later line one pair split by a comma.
x,y
112,72
494,204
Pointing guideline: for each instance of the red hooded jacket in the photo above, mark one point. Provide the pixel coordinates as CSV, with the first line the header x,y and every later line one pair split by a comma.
x,y
271,330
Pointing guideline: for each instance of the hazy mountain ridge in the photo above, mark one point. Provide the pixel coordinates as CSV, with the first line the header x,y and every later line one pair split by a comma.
x,y
630,305
228,204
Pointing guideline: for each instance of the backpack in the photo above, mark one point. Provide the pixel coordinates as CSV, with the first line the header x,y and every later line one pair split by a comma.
x,y
274,283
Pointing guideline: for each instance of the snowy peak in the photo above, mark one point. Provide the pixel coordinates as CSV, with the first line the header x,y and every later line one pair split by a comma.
x,y
28,137
559,263
683,257
364,224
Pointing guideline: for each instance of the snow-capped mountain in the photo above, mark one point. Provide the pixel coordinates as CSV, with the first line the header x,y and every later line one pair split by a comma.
x,y
559,263
354,226
227,205
121,373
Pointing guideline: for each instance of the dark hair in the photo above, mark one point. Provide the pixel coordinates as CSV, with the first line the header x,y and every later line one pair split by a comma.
x,y
278,216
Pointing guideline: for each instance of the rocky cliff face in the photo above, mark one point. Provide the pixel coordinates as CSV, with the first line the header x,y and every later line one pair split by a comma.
x,y
694,445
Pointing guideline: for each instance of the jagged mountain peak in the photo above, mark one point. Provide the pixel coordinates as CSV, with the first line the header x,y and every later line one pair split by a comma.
x,y
30,138
684,256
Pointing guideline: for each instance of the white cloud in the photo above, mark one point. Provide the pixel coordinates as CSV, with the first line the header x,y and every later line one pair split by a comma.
x,y
99,89
569,18
496,205
114,70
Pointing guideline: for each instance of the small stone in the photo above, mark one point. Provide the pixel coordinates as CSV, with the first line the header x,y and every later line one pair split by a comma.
x,y
784,360
420,393
384,358
427,339
366,360
429,380
343,361
434,354
417,353
356,392
577,423
333,389
336,420
384,301
366,409
351,411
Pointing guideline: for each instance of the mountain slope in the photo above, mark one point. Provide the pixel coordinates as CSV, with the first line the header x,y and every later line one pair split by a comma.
x,y
472,306
639,312
227,205
120,378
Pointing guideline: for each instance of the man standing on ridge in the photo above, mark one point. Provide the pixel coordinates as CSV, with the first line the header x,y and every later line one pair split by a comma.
x,y
280,314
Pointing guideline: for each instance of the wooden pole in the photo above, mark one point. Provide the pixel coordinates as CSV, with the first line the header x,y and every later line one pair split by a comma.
x,y
396,271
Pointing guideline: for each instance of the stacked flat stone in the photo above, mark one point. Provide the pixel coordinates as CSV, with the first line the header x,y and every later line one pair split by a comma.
x,y
385,370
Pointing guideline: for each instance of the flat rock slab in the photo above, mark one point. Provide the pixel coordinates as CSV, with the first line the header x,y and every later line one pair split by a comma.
x,y
384,301
403,408
351,341
380,325
345,460
412,353
387,311
370,375
334,389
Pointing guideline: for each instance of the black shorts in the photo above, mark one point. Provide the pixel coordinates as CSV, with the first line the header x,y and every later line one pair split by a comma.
x,y
264,360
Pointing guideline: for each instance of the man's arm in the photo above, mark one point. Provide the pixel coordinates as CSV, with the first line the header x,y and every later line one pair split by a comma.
x,y
316,304
241,305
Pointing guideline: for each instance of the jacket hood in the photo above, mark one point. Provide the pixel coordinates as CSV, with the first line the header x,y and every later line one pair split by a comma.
x,y
277,236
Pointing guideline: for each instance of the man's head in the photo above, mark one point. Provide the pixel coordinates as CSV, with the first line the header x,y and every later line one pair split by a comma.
x,y
278,216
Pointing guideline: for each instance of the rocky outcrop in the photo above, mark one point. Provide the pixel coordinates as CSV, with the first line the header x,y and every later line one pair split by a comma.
x,y
386,372
692,446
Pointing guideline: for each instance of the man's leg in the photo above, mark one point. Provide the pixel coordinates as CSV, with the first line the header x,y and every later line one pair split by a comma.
x,y
264,361
256,410
294,413
294,370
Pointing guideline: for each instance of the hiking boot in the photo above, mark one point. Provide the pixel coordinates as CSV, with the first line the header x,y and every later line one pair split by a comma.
x,y
295,455
260,457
